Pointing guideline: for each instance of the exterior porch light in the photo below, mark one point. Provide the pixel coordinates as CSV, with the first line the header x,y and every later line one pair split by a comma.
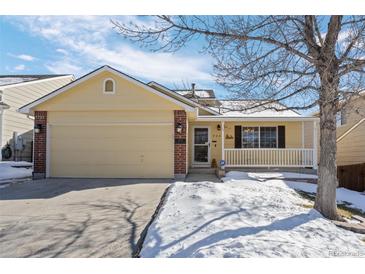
x,y
179,127
219,127
37,128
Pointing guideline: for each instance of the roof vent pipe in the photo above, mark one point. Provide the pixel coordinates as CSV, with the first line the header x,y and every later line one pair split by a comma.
x,y
193,89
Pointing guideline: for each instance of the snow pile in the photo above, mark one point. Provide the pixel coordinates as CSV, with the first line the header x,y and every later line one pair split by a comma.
x,y
239,175
8,171
244,218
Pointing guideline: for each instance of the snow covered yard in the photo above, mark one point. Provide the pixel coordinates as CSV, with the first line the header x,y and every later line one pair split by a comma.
x,y
244,217
8,170
351,198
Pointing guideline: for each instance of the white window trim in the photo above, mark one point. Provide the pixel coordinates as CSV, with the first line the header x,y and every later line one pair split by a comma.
x,y
277,137
109,92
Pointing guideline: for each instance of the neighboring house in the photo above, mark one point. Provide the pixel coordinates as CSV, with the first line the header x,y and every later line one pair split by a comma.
x,y
351,133
16,129
108,124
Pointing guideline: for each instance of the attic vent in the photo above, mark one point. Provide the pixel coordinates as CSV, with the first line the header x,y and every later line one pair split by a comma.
x,y
109,86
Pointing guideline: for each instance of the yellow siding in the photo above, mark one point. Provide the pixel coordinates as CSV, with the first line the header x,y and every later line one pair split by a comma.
x,y
204,112
293,135
18,96
89,96
354,111
351,149
89,117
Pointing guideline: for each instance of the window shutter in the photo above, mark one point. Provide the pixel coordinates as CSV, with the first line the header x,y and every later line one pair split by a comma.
x,y
238,137
281,136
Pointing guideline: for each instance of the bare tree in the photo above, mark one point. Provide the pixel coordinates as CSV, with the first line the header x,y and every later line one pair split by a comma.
x,y
302,61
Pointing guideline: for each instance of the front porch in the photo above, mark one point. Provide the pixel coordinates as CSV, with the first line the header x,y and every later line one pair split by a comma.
x,y
274,157
254,144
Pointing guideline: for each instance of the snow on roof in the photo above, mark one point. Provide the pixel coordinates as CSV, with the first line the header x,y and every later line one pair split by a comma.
x,y
16,79
13,80
246,108
200,93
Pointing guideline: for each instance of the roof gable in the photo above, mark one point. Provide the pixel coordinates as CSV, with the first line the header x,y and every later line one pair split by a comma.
x,y
71,86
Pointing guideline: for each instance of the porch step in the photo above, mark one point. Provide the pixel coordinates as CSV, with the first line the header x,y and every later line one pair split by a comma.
x,y
202,170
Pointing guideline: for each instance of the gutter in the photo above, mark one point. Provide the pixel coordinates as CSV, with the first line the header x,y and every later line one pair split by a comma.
x,y
256,119
1,131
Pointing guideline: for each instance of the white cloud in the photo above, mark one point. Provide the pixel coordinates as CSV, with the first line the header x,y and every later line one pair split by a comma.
x,y
64,67
90,41
20,67
63,51
24,57
164,67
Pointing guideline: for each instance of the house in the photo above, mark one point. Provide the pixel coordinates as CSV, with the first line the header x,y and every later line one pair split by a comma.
x,y
107,124
351,133
16,129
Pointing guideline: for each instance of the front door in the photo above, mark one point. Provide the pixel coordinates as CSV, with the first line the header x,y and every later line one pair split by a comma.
x,y
201,146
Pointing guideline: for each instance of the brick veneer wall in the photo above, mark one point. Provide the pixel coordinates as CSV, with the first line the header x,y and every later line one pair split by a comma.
x,y
180,144
40,146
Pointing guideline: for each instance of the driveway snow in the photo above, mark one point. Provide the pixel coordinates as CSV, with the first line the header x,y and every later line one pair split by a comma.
x,y
8,170
244,218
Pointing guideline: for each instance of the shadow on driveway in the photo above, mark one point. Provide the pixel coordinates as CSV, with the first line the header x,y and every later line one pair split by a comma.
x,y
49,188
76,217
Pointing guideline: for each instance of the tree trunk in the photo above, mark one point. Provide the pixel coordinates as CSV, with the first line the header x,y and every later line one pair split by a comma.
x,y
327,182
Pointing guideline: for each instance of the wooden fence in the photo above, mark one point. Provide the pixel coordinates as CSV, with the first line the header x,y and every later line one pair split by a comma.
x,y
352,177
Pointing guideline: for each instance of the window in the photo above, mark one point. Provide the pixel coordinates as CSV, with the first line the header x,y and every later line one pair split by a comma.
x,y
341,118
259,137
109,86
268,137
250,137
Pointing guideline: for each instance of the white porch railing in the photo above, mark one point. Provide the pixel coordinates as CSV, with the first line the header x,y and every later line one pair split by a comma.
x,y
272,157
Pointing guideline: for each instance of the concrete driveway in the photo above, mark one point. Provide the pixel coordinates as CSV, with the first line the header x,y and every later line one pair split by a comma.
x,y
76,217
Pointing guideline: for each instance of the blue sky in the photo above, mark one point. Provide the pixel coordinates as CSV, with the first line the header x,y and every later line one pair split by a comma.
x,y
79,44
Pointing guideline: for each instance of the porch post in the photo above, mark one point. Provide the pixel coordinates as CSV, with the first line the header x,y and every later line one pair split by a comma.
x,y
222,126
302,134
315,147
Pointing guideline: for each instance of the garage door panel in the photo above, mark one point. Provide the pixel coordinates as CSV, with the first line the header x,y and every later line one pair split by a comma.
x,y
95,146
110,159
112,151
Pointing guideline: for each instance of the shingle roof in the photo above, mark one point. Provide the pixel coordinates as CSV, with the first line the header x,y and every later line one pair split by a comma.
x,y
253,108
199,93
16,79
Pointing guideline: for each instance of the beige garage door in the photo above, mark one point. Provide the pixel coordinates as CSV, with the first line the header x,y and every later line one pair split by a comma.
x,y
123,151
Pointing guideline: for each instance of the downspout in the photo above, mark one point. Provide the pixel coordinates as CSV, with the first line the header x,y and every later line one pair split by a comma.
x,y
1,131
